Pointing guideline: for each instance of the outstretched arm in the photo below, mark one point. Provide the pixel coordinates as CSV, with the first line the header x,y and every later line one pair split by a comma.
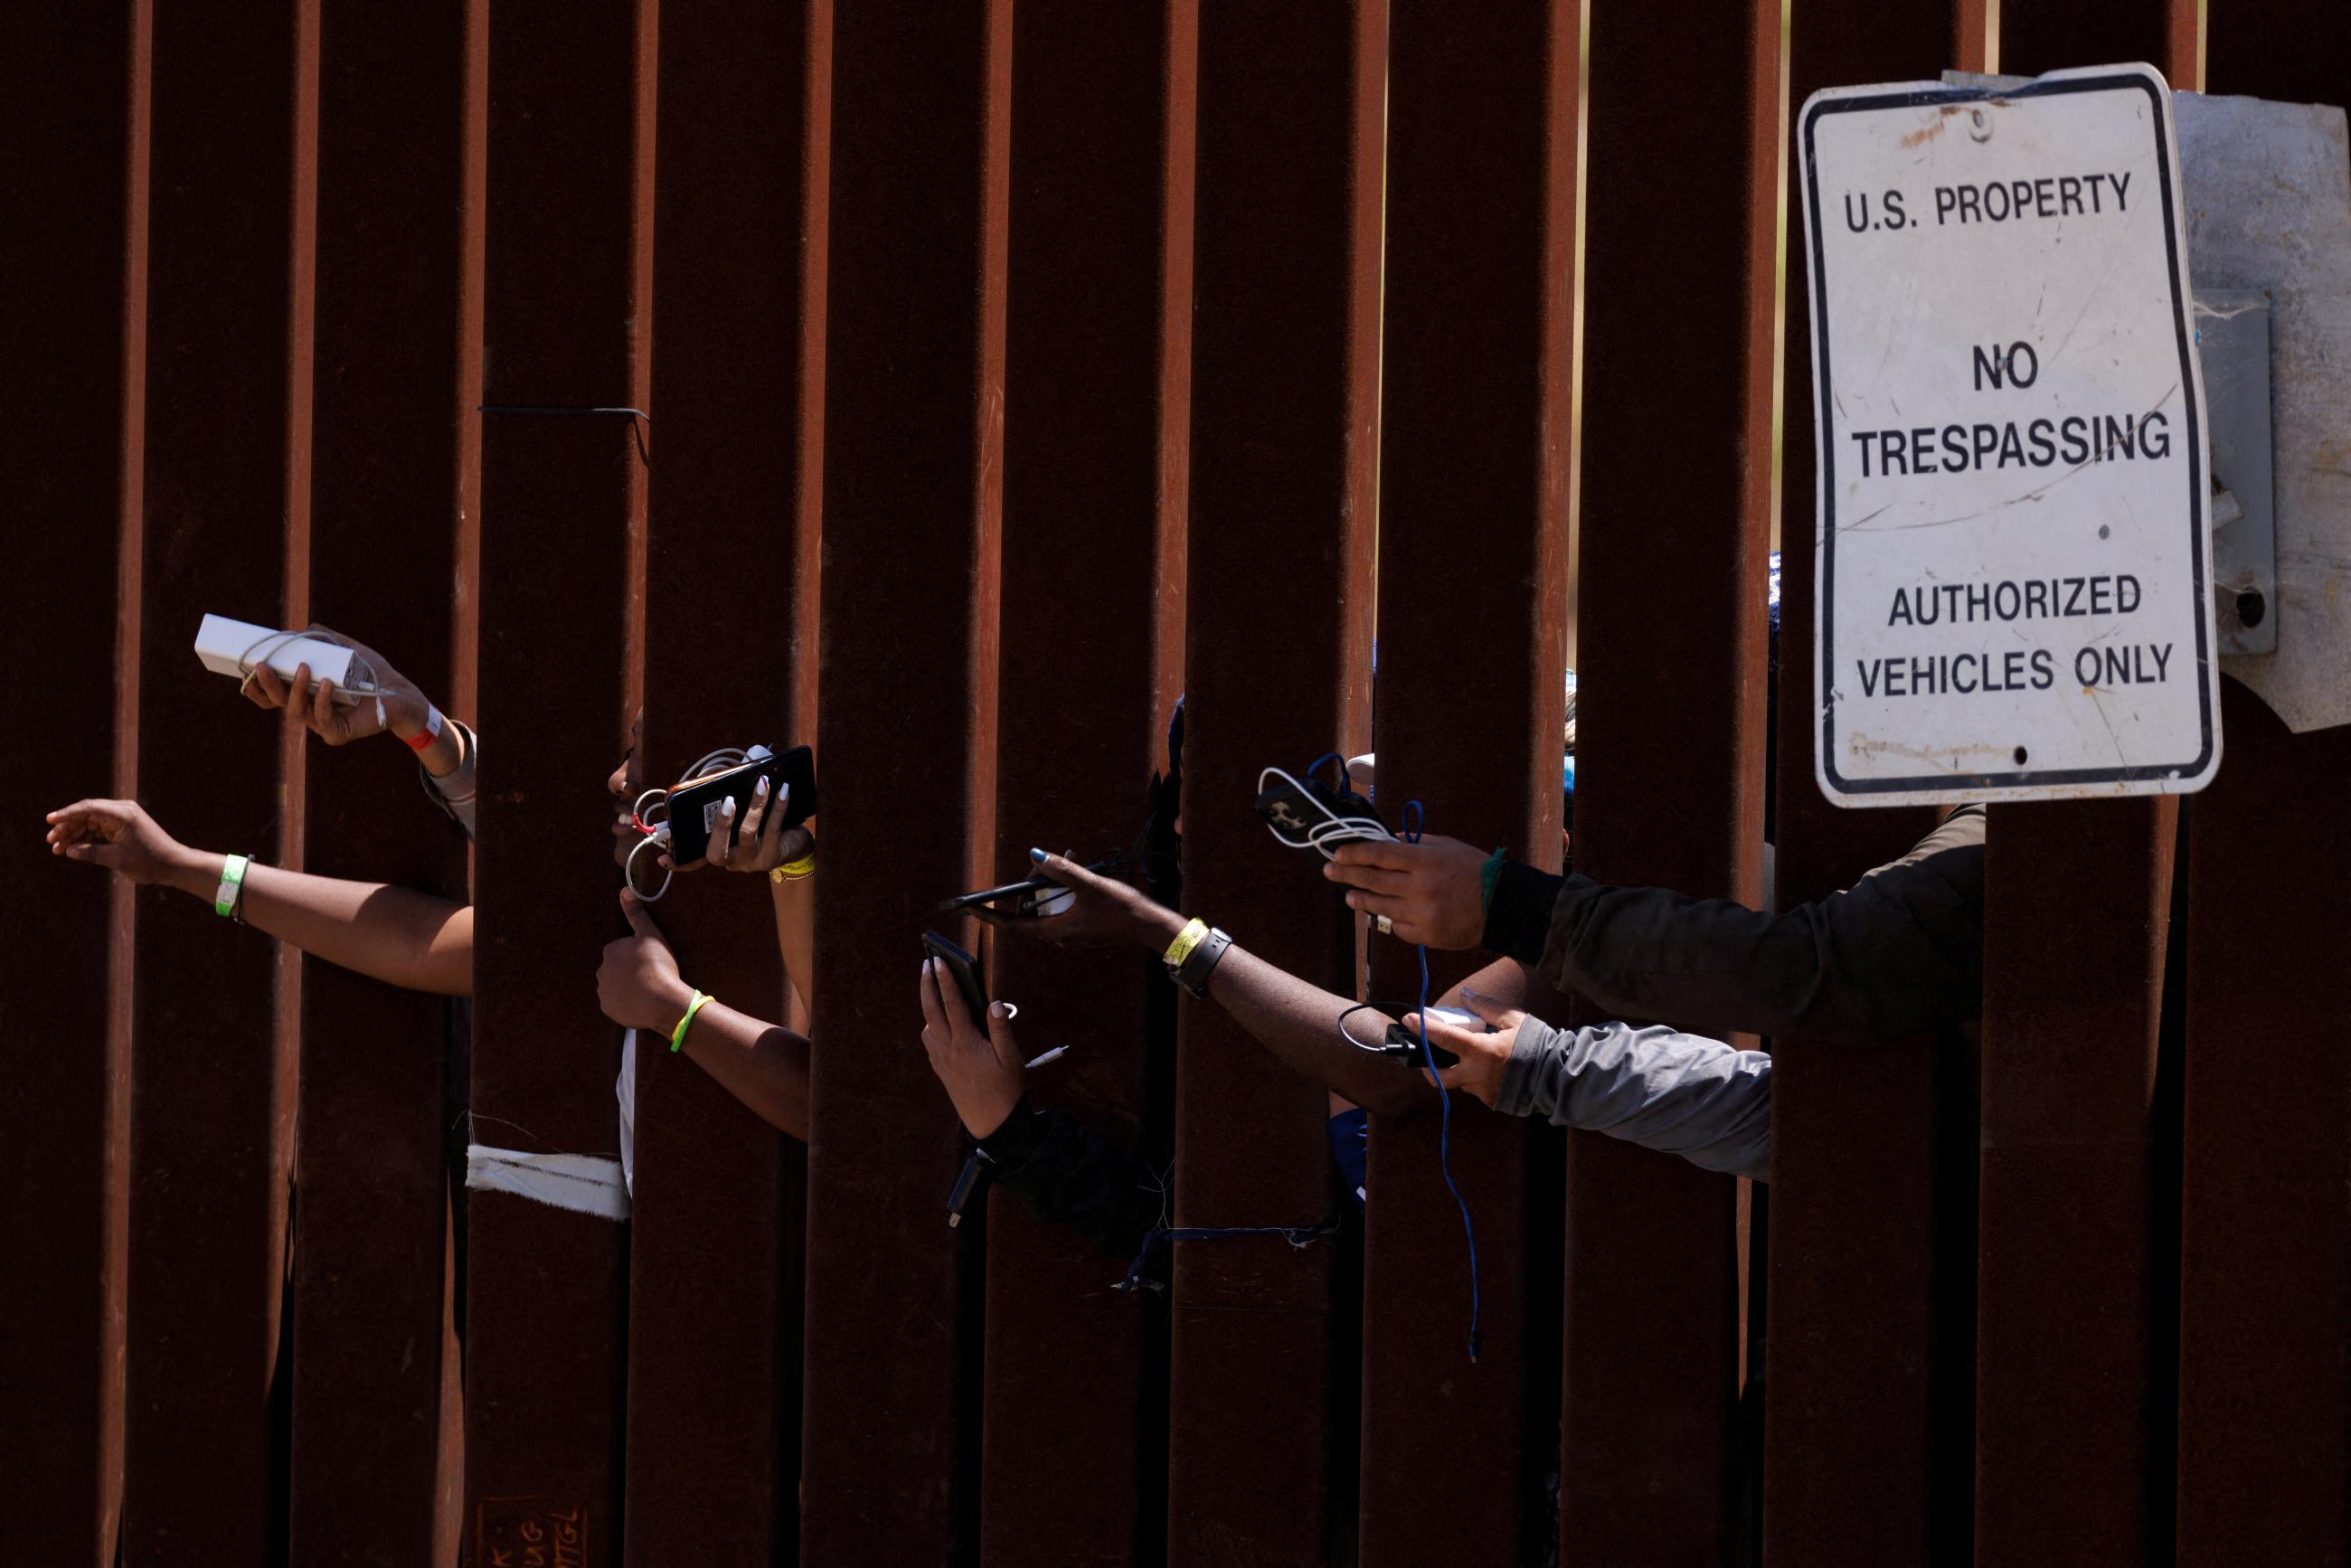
x,y
1063,1171
1899,951
1676,1093
395,934
763,1064
1295,1019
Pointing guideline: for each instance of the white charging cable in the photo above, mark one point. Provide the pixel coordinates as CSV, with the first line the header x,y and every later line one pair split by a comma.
x,y
656,828
1334,829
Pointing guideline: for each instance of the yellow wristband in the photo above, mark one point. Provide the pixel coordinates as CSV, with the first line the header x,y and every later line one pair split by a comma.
x,y
677,1035
1195,931
793,872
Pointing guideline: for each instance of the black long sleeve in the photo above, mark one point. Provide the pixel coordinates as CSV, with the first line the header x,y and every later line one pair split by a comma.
x,y
1066,1173
1899,951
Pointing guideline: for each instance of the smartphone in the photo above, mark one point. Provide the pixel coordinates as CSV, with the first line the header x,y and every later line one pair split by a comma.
x,y
1035,896
693,808
965,970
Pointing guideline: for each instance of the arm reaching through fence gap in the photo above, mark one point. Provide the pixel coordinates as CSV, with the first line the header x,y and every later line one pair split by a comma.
x,y
395,934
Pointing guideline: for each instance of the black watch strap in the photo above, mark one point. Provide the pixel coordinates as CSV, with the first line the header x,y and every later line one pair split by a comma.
x,y
1201,962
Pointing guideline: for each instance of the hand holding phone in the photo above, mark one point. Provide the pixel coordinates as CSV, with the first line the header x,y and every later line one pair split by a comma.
x,y
697,808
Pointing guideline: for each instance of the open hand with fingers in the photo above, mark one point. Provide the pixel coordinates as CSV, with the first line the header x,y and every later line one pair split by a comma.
x,y
1484,1054
1102,912
337,723
981,1070
1431,892
120,836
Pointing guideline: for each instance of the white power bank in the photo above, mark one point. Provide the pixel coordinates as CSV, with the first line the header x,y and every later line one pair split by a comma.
x,y
232,647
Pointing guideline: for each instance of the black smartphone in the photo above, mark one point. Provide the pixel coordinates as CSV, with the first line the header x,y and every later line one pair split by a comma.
x,y
693,808
1305,815
965,970
1036,895
1403,1044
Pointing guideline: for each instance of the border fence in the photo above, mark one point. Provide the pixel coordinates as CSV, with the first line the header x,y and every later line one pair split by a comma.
x,y
1004,369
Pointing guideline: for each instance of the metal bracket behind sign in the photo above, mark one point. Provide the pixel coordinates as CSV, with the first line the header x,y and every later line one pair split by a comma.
x,y
2232,336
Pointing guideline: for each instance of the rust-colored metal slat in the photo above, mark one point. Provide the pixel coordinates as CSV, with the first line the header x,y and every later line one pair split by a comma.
x,y
211,1105
913,421
1088,670
2051,35
2264,1461
2076,907
2265,1464
1670,775
713,1347
1474,439
1860,1459
564,303
370,1168
72,325
1278,663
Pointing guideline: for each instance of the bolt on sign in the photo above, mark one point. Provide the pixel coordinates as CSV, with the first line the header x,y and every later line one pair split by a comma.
x,y
2013,555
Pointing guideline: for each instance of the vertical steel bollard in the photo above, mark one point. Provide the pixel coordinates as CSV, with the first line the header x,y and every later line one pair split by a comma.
x,y
565,302
1278,666
386,470
2264,1372
913,422
1089,664
2265,1287
2077,903
714,1410
73,217
225,498
1674,527
1476,435
1868,1450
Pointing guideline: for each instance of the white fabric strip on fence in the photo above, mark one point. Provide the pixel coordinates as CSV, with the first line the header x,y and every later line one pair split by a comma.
x,y
585,1184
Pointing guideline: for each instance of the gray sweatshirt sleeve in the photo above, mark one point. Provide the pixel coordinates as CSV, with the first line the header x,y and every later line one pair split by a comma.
x,y
1677,1093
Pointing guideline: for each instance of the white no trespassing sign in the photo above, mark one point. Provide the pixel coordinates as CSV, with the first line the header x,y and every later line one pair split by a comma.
x,y
2012,553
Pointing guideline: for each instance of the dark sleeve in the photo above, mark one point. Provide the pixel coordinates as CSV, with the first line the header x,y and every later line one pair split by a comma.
x,y
1065,1173
1901,950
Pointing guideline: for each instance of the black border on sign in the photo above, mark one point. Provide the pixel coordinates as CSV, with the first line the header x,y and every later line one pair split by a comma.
x,y
1825,448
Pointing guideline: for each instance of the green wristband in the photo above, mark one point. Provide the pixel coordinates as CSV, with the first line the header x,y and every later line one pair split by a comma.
x,y
232,885
677,1035
1485,875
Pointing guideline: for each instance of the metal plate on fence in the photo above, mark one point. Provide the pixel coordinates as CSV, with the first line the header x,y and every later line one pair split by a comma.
x,y
2013,555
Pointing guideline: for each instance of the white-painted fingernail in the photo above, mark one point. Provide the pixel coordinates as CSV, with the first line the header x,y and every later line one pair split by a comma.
x,y
730,805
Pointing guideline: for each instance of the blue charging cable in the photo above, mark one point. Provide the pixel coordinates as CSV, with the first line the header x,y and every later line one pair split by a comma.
x,y
1412,819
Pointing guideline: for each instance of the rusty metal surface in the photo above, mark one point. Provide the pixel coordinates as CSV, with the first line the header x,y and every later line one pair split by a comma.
x,y
713,1347
2291,50
211,1107
1091,548
2264,1462
2051,35
564,300
72,221
2076,905
1670,536
370,1170
1278,669
1854,1453
1473,512
913,406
